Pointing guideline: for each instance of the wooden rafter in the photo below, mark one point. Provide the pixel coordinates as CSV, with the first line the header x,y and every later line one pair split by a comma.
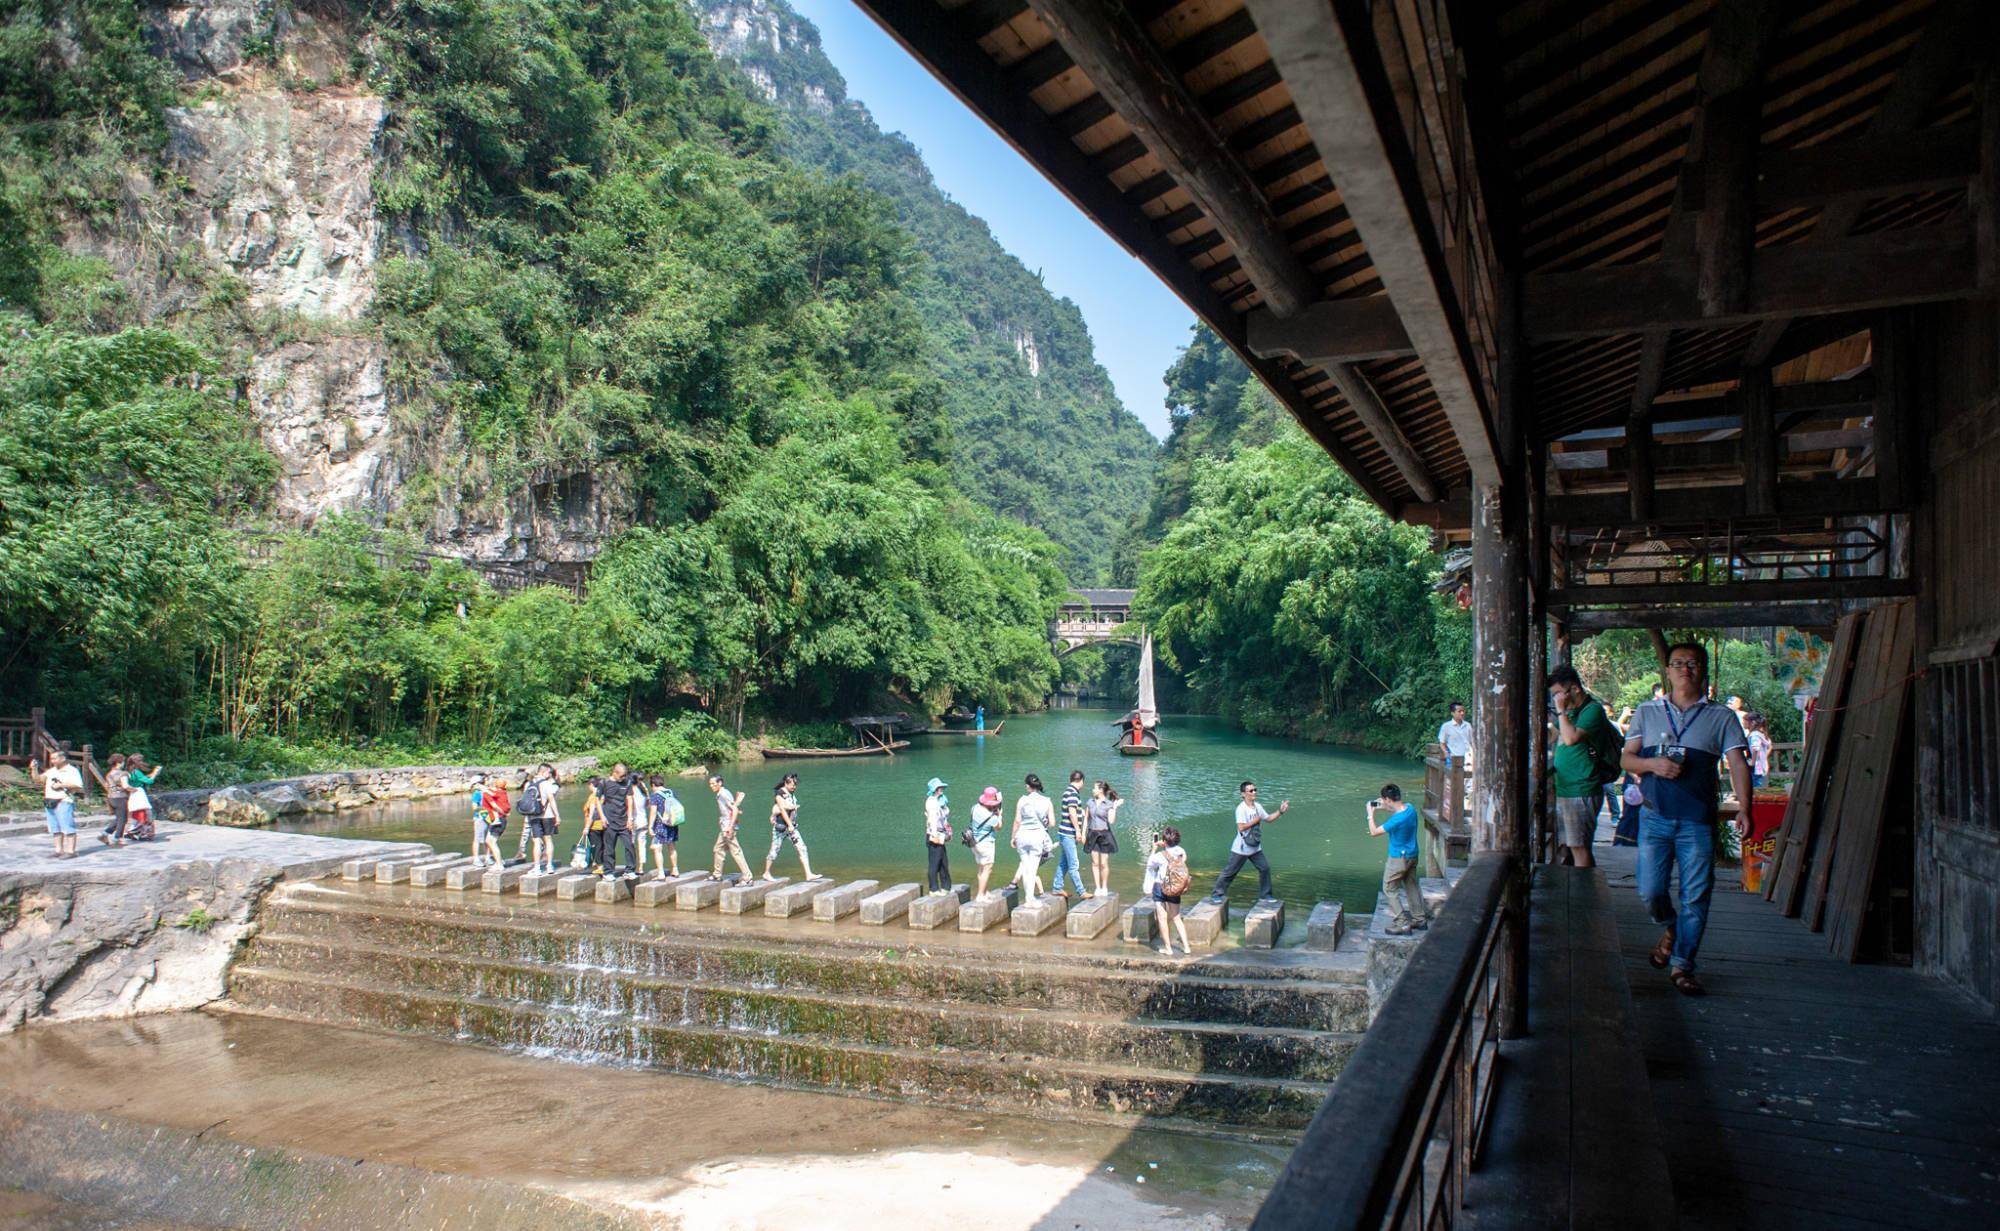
x,y
1321,66
1367,407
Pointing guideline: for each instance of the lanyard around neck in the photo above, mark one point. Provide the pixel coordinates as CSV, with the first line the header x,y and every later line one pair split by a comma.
x,y
1676,727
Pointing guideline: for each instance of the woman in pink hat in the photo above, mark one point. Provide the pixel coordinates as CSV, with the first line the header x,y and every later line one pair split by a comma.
x,y
980,836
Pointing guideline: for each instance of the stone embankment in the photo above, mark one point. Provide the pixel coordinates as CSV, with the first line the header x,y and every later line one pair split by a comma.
x,y
259,804
143,928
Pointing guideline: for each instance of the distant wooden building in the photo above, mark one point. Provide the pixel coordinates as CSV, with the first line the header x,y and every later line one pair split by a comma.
x,y
1681,311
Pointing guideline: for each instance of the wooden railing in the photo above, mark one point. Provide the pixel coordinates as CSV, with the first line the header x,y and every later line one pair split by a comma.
x,y
26,743
1392,1145
1446,834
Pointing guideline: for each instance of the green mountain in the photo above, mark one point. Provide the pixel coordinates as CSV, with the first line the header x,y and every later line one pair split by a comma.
x,y
1038,432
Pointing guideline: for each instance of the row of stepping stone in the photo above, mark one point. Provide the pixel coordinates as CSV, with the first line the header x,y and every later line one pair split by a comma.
x,y
782,898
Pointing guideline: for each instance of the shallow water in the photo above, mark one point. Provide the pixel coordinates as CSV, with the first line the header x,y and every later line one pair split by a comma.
x,y
863,817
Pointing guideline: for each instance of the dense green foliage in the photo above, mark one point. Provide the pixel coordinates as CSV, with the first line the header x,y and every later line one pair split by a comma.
x,y
1053,448
606,269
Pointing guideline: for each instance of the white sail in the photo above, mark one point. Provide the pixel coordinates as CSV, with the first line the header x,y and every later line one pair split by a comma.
x,y
1149,714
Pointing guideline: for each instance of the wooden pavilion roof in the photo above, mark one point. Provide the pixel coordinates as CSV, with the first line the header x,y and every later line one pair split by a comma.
x,y
1336,188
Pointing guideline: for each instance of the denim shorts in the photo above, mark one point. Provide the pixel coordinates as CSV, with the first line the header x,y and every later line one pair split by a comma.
x,y
61,817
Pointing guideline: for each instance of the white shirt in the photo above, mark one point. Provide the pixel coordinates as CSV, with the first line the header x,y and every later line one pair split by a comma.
x,y
936,817
1249,841
1156,866
1456,738
62,782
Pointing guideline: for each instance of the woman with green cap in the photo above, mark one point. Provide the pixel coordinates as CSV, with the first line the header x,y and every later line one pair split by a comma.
x,y
937,836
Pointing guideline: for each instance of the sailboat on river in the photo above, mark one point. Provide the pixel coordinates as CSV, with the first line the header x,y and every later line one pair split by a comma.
x,y
1139,730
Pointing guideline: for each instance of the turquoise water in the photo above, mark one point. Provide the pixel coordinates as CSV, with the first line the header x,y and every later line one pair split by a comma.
x,y
863,817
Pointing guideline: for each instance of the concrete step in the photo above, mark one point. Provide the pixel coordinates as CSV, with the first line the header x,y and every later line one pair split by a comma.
x,y
1121,985
1066,1088
990,1031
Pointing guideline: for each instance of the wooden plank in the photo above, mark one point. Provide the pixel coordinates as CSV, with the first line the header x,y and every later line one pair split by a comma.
x,y
1719,615
1325,65
1823,498
1876,736
1118,56
1869,677
1331,331
1760,442
1738,591
1785,881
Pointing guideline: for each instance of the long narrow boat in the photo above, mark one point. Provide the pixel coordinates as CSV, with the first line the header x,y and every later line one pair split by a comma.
x,y
992,730
866,750
1148,742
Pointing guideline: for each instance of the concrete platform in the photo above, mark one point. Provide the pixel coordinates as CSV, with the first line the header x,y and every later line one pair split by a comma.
x,y
658,893
933,910
744,898
399,871
1035,917
1139,924
891,903
574,885
1325,926
613,889
795,899
500,880
433,875
1205,922
293,856
1090,917
988,911
836,904
704,893
470,876
540,884
1263,923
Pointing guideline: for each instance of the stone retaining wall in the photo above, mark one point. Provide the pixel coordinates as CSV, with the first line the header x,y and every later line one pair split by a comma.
x,y
257,804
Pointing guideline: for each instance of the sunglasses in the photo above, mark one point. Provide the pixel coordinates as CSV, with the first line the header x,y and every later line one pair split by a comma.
x,y
1684,664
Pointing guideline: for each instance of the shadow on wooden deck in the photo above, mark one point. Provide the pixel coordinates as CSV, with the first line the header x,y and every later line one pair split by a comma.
x,y
1806,1092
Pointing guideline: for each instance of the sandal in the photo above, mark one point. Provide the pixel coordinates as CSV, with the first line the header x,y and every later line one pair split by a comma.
x,y
1662,952
1686,985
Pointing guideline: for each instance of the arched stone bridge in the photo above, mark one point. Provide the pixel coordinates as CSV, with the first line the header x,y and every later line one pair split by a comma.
x,y
1094,617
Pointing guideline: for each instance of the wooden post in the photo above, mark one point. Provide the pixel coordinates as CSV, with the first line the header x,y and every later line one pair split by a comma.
x,y
1500,713
1893,407
1760,443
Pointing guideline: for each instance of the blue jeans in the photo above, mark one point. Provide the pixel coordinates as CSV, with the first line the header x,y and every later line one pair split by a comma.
x,y
1067,864
1663,843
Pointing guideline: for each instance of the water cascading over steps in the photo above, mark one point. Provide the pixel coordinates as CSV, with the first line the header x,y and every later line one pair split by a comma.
x,y
1219,1046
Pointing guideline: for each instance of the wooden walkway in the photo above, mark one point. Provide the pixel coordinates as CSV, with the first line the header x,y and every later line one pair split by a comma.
x,y
1804,1092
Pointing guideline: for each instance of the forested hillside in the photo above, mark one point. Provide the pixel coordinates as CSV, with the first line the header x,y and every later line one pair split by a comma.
x,y
492,278
1038,432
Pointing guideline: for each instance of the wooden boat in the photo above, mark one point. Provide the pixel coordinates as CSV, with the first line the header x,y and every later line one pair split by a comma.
x,y
1147,742
863,750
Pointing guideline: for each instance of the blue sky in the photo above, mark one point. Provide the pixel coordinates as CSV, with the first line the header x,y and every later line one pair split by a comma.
x,y
1136,322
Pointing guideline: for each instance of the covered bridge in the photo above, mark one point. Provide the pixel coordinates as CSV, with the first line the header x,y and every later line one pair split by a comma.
x,y
1683,313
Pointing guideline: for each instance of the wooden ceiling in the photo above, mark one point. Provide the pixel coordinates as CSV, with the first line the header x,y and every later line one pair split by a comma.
x,y
1593,149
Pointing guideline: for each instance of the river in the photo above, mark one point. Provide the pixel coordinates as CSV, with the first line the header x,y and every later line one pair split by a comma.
x,y
863,817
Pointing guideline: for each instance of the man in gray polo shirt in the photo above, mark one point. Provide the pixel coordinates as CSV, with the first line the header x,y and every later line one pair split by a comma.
x,y
1678,744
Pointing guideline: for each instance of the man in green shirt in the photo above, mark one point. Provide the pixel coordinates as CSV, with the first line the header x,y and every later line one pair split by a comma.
x,y
1586,746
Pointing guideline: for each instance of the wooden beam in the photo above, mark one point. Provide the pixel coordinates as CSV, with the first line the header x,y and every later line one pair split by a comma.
x,y
1118,56
1824,498
1986,183
1868,168
954,57
1760,442
1887,269
1895,406
1368,408
1331,331
1639,458
1323,67
1725,144
1727,615
1825,589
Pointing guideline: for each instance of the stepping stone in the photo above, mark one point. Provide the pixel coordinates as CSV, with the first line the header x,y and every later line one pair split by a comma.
x,y
1325,926
657,893
988,911
704,893
792,899
934,910
742,899
1139,924
537,884
500,880
1263,924
889,904
470,876
397,871
1090,916
839,903
576,885
431,875
364,869
1206,922
613,889
1034,918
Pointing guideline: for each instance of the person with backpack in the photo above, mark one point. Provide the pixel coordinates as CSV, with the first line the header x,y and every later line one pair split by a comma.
x,y
1585,758
1167,878
937,837
538,809
498,808
668,813
980,835
1399,870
